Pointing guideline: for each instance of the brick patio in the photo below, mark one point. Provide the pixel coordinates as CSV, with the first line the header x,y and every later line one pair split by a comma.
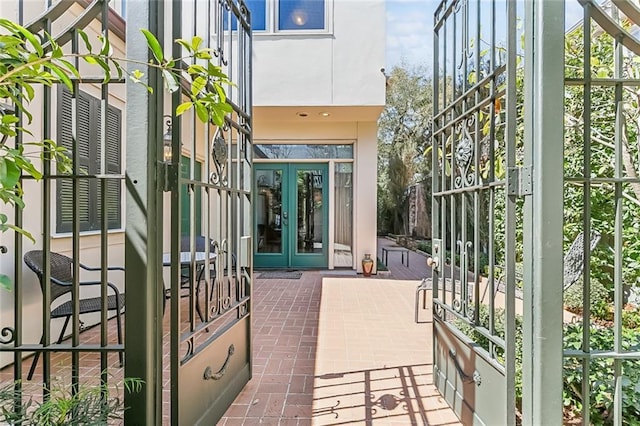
x,y
340,350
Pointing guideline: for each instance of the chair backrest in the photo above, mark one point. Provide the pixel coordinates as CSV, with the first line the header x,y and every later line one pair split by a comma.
x,y
61,269
574,258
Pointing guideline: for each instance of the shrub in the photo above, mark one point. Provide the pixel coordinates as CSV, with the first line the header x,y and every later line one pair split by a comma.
x,y
88,406
601,376
599,299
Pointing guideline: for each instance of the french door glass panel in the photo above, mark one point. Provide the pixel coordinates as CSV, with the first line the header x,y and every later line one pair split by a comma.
x,y
269,215
310,215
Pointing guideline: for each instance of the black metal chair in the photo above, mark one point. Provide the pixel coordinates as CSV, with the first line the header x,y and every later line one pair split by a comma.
x,y
61,283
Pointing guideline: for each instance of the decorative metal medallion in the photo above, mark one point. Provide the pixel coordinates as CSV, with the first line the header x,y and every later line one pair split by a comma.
x,y
464,155
219,155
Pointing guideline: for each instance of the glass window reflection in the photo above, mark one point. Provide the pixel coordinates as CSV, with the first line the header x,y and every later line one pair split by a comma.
x,y
301,15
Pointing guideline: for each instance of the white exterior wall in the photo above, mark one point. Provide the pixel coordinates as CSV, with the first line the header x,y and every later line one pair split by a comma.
x,y
341,67
366,190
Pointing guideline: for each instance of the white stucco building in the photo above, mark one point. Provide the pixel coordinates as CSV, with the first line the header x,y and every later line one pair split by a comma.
x,y
318,92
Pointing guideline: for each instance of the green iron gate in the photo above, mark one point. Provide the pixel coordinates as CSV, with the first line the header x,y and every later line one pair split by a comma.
x,y
113,222
210,323
473,156
69,279
535,152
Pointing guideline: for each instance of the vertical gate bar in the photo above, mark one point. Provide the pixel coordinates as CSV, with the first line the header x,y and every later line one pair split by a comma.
x,y
435,166
527,228
619,223
454,91
191,191
46,240
75,228
492,255
143,355
510,204
206,230
586,218
479,195
104,225
18,275
176,222
542,328
492,173
452,198
442,204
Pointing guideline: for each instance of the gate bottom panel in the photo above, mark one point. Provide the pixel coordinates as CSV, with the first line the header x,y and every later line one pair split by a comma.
x,y
211,380
473,388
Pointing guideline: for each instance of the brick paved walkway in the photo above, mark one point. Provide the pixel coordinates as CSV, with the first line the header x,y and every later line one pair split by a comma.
x,y
338,351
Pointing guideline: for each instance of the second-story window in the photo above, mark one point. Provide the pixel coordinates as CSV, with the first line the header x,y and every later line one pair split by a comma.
x,y
301,14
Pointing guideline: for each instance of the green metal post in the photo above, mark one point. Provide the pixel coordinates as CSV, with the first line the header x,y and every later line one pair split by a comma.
x,y
143,355
542,334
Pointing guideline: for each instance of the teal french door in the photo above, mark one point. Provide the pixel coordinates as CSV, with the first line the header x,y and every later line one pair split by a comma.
x,y
291,215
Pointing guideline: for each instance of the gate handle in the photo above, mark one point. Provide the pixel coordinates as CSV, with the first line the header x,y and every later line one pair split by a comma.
x,y
208,375
476,378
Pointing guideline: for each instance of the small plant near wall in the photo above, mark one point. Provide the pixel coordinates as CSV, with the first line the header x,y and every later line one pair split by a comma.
x,y
90,405
26,62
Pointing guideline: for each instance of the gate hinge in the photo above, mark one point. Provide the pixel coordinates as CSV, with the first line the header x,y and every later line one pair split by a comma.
x,y
519,181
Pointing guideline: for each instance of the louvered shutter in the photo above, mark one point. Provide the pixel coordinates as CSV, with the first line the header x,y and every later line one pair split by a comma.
x,y
65,138
113,153
88,131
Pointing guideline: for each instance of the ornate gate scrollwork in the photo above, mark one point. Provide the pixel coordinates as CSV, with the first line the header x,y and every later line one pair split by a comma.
x,y
464,154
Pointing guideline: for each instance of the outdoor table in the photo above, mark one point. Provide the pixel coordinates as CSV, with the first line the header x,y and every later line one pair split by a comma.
x,y
402,250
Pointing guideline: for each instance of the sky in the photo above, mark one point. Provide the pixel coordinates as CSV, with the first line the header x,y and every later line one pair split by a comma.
x,y
410,27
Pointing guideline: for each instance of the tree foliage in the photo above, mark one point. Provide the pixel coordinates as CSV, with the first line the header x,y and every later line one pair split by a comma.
x,y
403,137
606,156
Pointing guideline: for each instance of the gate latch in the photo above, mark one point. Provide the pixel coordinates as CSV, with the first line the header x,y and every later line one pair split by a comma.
x,y
519,181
